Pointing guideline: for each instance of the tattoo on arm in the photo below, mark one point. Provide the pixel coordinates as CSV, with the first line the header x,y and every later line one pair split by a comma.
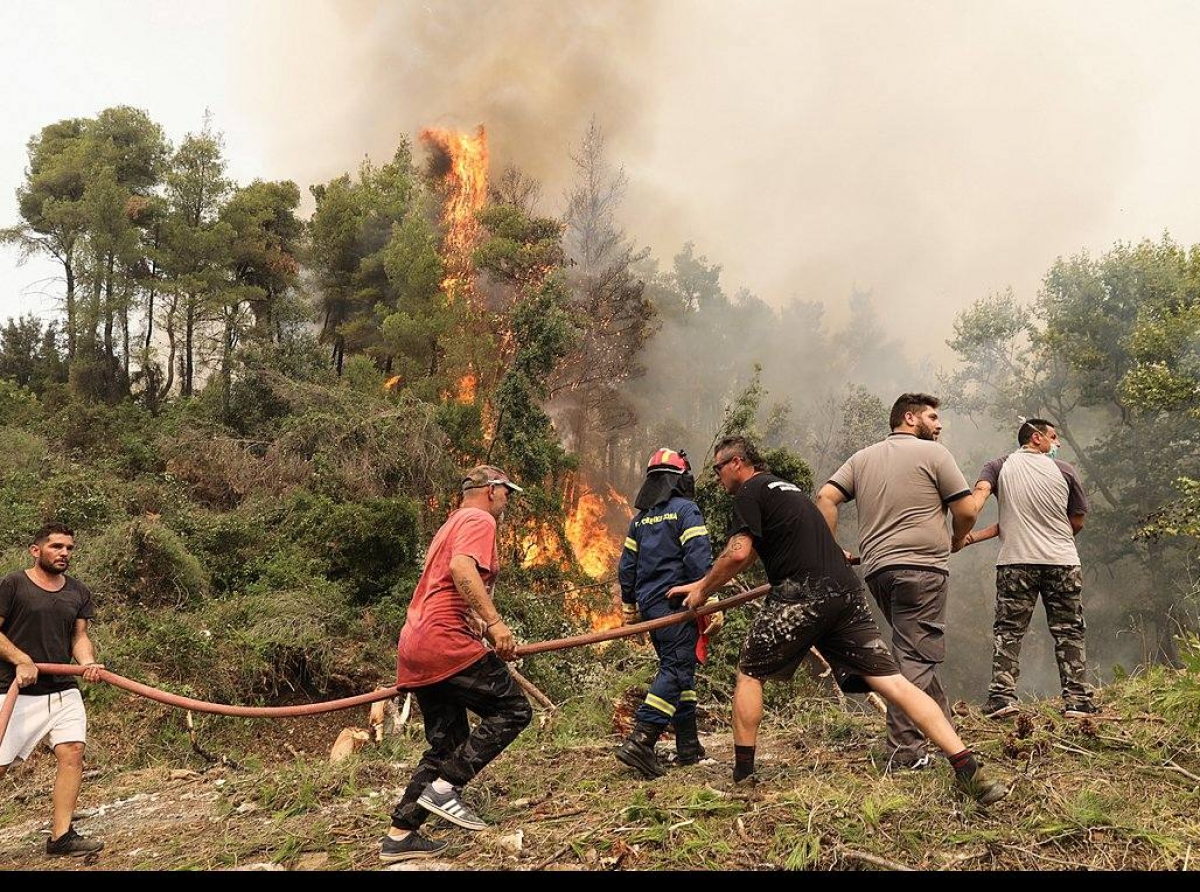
x,y
470,586
737,547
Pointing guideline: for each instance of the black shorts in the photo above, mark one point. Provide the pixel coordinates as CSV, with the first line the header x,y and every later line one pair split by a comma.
x,y
839,624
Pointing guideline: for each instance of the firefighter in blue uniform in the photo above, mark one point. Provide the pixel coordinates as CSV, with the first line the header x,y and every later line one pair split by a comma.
x,y
667,545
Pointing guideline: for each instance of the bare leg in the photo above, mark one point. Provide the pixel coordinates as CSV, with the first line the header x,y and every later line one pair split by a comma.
x,y
747,710
67,782
919,707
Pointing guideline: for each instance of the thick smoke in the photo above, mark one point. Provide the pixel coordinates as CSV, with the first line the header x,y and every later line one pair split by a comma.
x,y
532,73
924,154
928,153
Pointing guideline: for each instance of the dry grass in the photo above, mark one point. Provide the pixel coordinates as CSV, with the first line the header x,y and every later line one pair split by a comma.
x,y
1116,793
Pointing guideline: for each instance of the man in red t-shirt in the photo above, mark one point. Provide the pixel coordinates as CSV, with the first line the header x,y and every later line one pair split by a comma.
x,y
443,660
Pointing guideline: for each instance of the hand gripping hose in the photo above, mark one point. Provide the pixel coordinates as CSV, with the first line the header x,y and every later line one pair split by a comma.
x,y
262,712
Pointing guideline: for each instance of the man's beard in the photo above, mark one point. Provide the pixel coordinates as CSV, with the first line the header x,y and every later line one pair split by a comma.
x,y
50,568
925,432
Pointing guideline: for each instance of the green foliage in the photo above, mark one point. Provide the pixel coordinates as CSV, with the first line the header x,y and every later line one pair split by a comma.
x,y
350,231
741,419
370,545
1178,698
521,249
19,405
162,647
287,638
1108,352
73,496
103,430
360,374
30,356
463,426
544,333
233,546
143,562
255,407
795,851
20,511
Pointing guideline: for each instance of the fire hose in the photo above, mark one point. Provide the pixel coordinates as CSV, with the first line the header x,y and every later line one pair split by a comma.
x,y
386,693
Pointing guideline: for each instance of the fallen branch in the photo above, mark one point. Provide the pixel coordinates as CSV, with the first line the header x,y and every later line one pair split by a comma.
x,y
875,860
1072,749
531,689
1074,865
739,827
1173,767
562,851
196,747
402,717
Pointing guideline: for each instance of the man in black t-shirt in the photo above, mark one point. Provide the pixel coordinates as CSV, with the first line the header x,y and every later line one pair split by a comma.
x,y
44,616
815,600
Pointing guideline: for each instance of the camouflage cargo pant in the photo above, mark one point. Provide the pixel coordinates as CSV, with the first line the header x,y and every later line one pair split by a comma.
x,y
456,752
1061,590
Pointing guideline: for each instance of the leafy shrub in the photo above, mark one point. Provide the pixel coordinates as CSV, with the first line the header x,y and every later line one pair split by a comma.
x,y
145,563
233,546
19,406
291,639
162,646
98,428
77,497
24,451
370,545
19,510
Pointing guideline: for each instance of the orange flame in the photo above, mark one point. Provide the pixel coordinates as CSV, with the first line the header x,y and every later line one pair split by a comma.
x,y
596,546
466,182
590,534
467,386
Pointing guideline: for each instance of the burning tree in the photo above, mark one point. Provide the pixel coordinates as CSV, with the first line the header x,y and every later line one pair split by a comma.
x,y
458,163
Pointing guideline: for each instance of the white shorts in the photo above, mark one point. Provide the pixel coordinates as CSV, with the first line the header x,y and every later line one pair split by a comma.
x,y
58,717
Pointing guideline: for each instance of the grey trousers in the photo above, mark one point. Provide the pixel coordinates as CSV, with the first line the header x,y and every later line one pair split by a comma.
x,y
914,602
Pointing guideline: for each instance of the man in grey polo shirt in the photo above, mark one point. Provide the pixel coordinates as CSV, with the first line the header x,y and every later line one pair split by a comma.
x,y
903,486
1042,508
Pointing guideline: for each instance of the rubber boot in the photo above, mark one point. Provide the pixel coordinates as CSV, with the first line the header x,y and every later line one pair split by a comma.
x,y
688,750
638,750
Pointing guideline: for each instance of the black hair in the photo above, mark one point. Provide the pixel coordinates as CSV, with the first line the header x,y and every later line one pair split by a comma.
x,y
743,447
1028,426
52,529
910,402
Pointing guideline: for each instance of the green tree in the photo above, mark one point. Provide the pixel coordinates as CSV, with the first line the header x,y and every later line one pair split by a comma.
x,y
197,250
353,223
51,203
413,333
263,266
742,418
1105,353
30,355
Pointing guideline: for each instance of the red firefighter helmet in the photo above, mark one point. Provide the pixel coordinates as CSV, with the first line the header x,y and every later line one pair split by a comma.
x,y
669,460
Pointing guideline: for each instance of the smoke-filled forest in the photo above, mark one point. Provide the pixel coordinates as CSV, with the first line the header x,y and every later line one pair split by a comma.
x,y
253,402
238,404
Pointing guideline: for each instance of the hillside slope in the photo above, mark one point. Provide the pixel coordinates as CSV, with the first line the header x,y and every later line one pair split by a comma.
x,y
1119,792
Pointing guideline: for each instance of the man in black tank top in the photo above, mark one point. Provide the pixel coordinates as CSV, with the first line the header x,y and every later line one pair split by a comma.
x,y
44,615
815,600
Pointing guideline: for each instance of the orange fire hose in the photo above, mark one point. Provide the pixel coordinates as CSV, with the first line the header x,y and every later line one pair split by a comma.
x,y
383,693
737,600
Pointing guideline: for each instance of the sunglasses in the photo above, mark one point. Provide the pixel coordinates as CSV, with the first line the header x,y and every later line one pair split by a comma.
x,y
720,464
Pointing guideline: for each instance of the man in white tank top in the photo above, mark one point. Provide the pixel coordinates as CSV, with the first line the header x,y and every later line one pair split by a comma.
x,y
1042,508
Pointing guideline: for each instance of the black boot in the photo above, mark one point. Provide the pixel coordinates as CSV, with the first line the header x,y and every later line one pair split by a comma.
x,y
688,750
638,750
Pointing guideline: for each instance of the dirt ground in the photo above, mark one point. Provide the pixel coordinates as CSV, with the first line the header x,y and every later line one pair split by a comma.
x,y
1085,795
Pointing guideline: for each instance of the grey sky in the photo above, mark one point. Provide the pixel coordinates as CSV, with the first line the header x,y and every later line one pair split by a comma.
x,y
930,152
